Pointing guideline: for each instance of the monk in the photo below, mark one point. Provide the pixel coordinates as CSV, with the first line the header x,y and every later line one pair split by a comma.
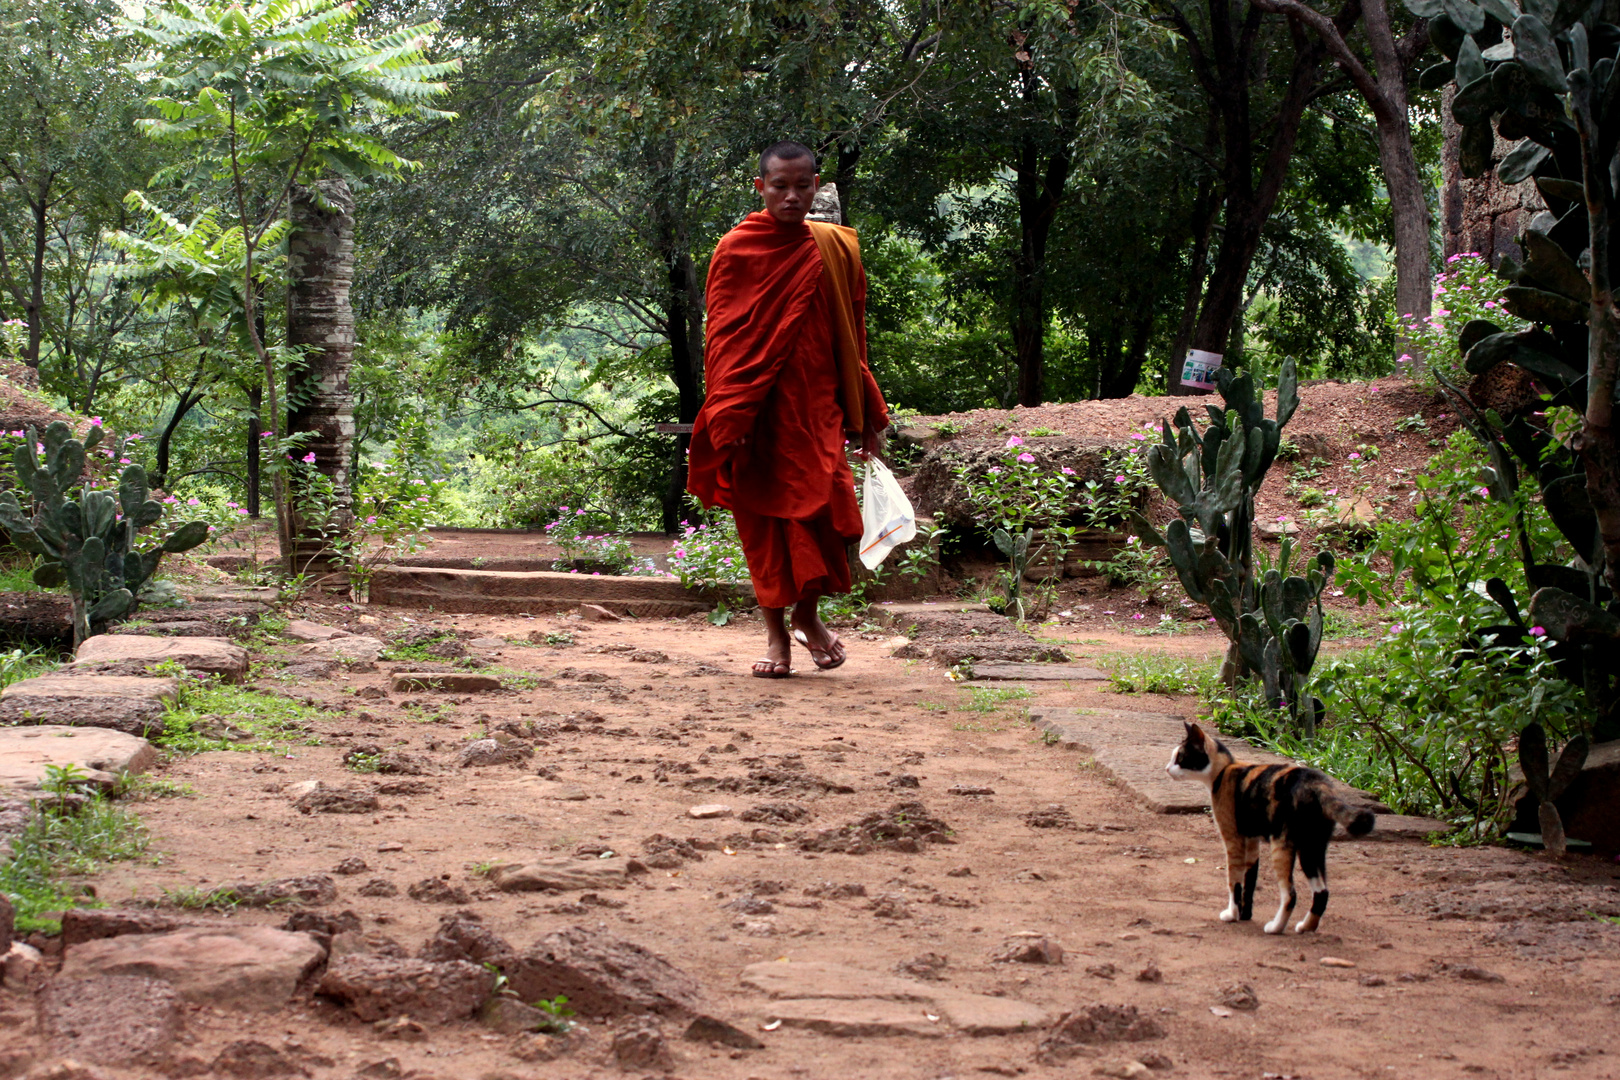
x,y
788,383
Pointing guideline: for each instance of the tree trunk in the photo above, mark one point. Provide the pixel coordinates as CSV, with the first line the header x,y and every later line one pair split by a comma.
x,y
255,433
1205,207
320,322
683,318
848,158
1039,192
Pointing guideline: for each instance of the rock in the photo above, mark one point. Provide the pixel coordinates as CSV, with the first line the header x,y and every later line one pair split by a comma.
x,y
254,1060
1468,972
855,1018
437,891
711,1029
134,654
337,801
602,975
1082,1028
311,889
640,1045
561,875
110,1019
509,1016
928,965
461,682
311,670
483,752
306,631
1150,974
709,810
80,925
1276,530
1355,517
462,936
597,613
969,789
1238,996
350,866
402,1028
1336,962
1036,673
348,650
488,643
127,703
648,656
1028,948
385,988
101,754
365,942
1123,1068
245,967
1051,816
379,888
23,966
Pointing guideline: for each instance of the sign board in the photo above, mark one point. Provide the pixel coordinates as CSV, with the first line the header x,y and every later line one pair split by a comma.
x,y
1199,369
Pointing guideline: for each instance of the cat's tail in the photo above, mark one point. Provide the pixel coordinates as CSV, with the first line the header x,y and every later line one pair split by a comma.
x,y
1357,820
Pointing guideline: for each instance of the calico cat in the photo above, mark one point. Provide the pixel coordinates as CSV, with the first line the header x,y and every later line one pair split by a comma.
x,y
1293,807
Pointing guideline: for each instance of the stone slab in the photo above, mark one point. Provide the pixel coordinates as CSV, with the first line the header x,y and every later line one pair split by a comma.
x,y
538,592
1134,747
903,615
103,754
836,999
1036,673
464,682
562,875
111,1019
127,703
134,654
858,1018
349,649
241,967
239,594
304,630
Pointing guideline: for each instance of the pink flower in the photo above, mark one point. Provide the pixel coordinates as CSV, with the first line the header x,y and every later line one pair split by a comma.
x,y
264,434
1355,457
1067,471
193,502
1375,389
1332,491
1027,459
995,471
95,421
309,458
123,461
1490,303
1538,631
1138,615
1485,491
1403,357
241,513
1015,441
1120,479
135,436
1137,435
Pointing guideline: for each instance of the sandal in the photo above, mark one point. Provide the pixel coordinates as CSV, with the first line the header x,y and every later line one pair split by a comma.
x,y
766,668
822,658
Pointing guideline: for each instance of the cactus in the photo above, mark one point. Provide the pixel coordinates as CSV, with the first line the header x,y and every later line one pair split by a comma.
x,y
1547,784
88,545
1274,622
1016,547
1543,77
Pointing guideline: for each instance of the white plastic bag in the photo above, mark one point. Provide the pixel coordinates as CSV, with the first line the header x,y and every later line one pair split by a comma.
x,y
886,515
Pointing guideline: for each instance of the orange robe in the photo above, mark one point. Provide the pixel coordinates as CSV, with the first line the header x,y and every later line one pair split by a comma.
x,y
785,366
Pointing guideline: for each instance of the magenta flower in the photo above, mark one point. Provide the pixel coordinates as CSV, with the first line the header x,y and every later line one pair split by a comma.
x,y
1067,471
309,458
1015,441
1027,459
1538,631
1137,435
1355,457
1120,479
95,421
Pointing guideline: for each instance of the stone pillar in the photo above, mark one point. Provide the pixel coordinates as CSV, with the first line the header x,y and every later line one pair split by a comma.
x,y
320,269
1481,215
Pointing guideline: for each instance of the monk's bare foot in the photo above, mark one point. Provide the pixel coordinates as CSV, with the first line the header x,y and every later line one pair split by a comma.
x,y
825,649
777,662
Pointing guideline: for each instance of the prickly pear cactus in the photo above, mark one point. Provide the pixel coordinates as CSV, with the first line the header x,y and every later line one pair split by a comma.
x,y
1547,784
1015,546
88,544
1274,622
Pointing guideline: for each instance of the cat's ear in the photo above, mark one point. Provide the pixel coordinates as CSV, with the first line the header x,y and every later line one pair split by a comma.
x,y
1195,734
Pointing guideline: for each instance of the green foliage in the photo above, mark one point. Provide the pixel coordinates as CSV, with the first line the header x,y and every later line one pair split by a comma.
x,y
62,840
88,544
1149,673
989,699
212,715
709,553
1465,291
19,664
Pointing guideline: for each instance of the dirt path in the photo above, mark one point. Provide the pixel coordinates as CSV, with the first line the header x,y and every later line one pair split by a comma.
x,y
1499,992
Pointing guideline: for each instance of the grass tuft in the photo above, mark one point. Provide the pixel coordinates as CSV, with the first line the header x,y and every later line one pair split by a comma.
x,y
61,842
212,715
1150,674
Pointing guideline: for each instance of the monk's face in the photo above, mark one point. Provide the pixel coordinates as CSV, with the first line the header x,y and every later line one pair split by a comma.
x,y
788,187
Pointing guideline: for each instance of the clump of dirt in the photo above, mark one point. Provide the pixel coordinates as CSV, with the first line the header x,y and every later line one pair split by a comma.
x,y
905,826
776,813
771,781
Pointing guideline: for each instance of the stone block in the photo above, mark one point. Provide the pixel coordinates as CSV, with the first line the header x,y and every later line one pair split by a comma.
x,y
240,967
101,753
136,654
127,703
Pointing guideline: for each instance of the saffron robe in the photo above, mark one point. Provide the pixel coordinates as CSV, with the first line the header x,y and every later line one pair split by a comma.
x,y
787,381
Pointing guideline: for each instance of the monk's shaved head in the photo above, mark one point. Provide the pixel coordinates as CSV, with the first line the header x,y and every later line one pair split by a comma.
x,y
786,151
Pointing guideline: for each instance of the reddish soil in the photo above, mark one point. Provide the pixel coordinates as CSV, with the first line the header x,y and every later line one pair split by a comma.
x,y
1120,891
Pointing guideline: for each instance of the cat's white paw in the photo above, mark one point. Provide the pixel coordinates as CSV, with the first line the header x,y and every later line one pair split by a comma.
x,y
1275,926
1230,914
